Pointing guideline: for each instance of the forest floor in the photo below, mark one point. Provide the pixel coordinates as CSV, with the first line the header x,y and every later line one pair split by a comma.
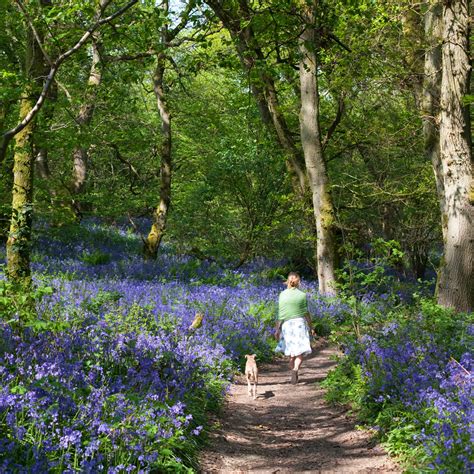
x,y
291,428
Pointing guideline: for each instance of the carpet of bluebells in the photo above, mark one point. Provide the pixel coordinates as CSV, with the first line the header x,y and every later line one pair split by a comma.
x,y
108,377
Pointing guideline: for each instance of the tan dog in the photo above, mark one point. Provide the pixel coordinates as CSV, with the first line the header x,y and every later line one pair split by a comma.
x,y
251,373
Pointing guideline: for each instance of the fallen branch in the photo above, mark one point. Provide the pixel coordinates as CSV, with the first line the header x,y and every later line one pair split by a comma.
x,y
460,365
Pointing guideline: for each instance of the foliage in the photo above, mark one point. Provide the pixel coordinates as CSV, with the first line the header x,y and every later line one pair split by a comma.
x,y
18,308
239,199
231,194
95,258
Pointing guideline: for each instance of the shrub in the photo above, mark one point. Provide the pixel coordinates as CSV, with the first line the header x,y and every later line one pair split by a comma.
x,y
95,258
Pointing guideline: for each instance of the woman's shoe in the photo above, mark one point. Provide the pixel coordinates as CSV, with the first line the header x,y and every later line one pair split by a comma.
x,y
294,377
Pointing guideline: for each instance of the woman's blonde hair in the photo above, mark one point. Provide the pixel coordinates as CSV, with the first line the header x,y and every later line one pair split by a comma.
x,y
293,280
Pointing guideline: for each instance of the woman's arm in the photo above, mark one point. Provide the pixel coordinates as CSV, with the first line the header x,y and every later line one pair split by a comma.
x,y
277,329
307,316
309,322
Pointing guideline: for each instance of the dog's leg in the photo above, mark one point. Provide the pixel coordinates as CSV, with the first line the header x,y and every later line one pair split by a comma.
x,y
249,388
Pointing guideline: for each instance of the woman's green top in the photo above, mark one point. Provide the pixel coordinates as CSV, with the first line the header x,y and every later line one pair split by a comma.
x,y
292,304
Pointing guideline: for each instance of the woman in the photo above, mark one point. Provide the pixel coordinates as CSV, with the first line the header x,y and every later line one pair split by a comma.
x,y
293,325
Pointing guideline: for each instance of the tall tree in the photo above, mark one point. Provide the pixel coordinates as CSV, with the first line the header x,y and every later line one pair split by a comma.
x,y
34,96
239,19
160,214
313,152
80,153
456,274
18,254
431,96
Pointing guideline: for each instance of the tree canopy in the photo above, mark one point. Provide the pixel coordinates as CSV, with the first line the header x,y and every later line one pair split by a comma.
x,y
238,176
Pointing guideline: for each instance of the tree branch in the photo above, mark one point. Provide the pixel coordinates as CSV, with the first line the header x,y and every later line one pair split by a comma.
x,y
131,57
339,42
335,123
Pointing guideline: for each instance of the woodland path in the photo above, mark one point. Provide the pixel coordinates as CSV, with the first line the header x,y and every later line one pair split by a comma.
x,y
291,428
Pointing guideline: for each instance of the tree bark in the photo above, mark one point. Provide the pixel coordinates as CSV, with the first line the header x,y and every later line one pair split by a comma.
x,y
19,236
314,159
431,96
456,274
160,214
86,112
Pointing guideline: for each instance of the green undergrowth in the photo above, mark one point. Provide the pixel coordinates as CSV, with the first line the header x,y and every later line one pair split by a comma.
x,y
399,397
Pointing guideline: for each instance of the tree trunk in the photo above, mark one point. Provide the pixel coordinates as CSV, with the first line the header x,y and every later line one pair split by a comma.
x,y
19,237
80,153
456,274
314,159
431,97
18,243
160,214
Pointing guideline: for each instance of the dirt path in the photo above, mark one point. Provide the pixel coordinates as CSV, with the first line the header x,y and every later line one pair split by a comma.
x,y
290,428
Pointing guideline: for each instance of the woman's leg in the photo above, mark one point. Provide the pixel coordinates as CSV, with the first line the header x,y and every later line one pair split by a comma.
x,y
297,362
291,363
294,373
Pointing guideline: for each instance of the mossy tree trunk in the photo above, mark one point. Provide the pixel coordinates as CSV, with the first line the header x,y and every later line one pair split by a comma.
x,y
314,157
19,236
456,274
160,214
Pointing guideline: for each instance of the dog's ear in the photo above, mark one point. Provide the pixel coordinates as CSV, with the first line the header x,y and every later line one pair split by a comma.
x,y
247,356
254,355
